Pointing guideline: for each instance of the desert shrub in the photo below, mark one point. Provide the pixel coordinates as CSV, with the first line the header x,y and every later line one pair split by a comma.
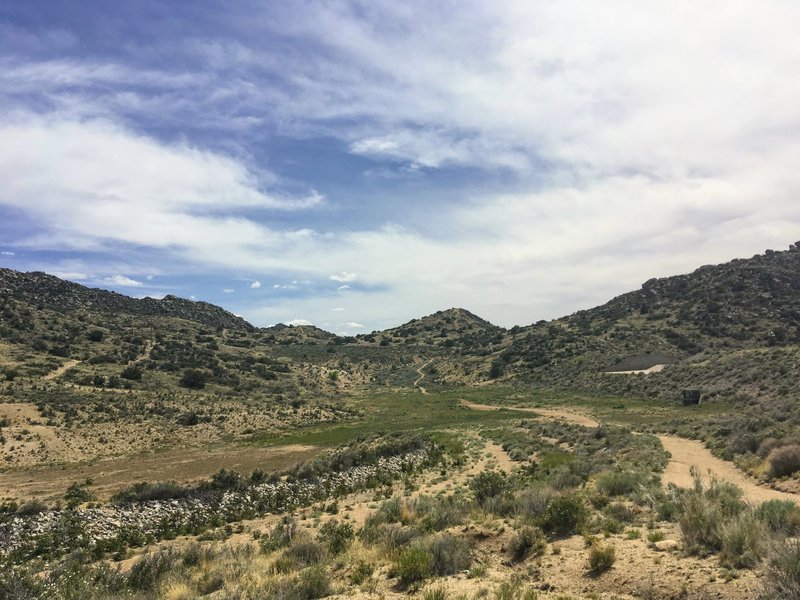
x,y
621,512
528,541
78,493
565,515
149,569
131,373
704,511
32,507
144,492
767,446
742,541
304,552
194,379
312,583
784,461
532,502
388,535
336,536
412,564
601,558
281,535
488,484
95,335
449,555
435,594
438,513
782,577
361,572
780,516
620,483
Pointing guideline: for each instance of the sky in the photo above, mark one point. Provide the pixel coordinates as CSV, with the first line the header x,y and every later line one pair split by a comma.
x,y
358,164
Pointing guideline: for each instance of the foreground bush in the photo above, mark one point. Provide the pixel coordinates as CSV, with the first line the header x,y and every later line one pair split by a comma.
x,y
565,515
784,461
449,555
528,541
782,577
620,483
413,564
743,541
702,513
601,558
780,516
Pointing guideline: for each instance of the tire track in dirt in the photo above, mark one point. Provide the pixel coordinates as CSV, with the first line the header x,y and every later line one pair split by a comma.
x,y
421,373
685,454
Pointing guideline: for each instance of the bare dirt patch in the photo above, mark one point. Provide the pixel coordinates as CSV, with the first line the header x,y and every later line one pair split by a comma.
x,y
551,413
181,465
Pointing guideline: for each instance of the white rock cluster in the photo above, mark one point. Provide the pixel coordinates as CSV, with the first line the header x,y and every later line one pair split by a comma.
x,y
64,530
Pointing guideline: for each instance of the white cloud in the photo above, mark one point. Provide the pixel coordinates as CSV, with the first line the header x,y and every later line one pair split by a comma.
x,y
228,291
122,281
343,276
298,322
255,285
644,139
353,325
337,309
7,253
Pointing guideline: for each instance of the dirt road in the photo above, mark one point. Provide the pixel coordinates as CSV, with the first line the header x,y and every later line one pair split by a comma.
x,y
685,455
62,369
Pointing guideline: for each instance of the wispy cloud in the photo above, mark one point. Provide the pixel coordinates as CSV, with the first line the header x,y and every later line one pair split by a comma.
x,y
558,153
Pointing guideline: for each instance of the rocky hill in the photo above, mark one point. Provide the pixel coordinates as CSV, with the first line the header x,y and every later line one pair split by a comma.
x,y
45,291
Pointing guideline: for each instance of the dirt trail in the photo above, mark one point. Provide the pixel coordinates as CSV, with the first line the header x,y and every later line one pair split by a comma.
x,y
551,413
692,453
421,377
62,369
685,454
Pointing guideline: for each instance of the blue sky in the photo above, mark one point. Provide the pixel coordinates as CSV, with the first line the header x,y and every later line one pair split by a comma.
x,y
358,164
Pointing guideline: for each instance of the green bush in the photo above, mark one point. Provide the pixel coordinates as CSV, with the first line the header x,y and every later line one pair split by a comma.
x,y
620,483
703,512
784,461
742,541
413,564
304,552
449,555
528,541
601,558
193,379
151,568
782,577
313,583
336,536
780,516
565,515
488,484
143,492
532,502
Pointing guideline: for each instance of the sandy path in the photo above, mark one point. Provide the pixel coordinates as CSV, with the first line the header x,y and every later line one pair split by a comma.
x,y
692,453
551,413
62,369
685,454
421,377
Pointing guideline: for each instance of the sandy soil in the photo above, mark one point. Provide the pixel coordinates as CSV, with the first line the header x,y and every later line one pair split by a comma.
x,y
692,453
183,465
552,413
